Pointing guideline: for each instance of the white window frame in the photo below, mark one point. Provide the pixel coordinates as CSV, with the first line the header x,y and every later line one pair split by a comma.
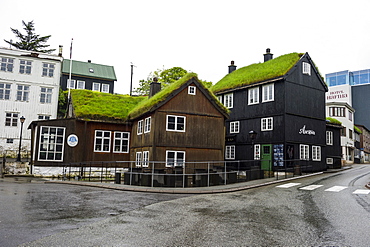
x,y
140,127
51,142
45,95
80,85
118,142
329,161
176,124
268,92
105,88
267,124
23,92
176,161
11,118
230,152
192,90
145,162
253,96
304,153
147,124
139,159
43,117
316,153
48,69
306,68
229,100
257,152
6,64
103,138
94,85
234,127
25,67
5,91
71,84
329,138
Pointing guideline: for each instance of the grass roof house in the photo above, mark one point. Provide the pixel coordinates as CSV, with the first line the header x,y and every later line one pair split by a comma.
x,y
282,101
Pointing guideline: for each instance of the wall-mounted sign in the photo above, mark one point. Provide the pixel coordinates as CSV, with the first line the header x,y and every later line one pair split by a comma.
x,y
303,131
72,140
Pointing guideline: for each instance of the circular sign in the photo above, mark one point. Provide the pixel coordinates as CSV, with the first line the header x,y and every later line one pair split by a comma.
x,y
72,140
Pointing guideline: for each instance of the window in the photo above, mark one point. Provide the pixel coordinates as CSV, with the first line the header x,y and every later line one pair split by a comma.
x,y
71,84
139,156
268,93
219,98
11,119
22,92
329,161
43,117
9,140
303,152
253,96
234,127
329,137
96,86
105,88
121,142
350,134
5,91
175,158
7,64
316,153
230,152
257,151
140,127
145,158
306,68
25,67
51,143
147,124
228,100
45,96
102,141
80,84
192,90
266,124
175,123
343,131
48,69
350,115
337,111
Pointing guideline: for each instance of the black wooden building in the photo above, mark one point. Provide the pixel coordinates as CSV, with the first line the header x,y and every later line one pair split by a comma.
x,y
281,100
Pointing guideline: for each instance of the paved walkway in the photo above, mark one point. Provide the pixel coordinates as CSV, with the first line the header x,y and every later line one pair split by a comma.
x,y
191,190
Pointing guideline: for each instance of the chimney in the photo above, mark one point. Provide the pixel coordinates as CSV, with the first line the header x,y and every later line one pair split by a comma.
x,y
268,55
155,87
232,67
60,54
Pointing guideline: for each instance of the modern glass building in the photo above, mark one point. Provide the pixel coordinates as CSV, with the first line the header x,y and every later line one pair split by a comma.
x,y
348,77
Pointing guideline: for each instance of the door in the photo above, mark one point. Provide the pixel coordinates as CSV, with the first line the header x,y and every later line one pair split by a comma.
x,y
266,158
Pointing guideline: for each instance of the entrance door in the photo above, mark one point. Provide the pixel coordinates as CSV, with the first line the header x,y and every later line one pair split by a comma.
x,y
266,158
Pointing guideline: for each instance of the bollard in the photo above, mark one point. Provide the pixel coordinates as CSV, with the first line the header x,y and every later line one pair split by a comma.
x,y
117,178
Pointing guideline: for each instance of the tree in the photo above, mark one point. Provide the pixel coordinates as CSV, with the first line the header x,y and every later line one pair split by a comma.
x,y
165,77
30,41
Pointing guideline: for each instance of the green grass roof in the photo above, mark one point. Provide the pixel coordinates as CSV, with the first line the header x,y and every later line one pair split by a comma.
x,y
89,105
257,72
333,121
150,103
83,69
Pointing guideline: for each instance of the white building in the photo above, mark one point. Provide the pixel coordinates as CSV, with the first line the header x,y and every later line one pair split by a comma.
x,y
29,87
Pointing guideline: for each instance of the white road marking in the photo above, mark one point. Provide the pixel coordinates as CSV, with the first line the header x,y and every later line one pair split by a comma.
x,y
363,192
288,185
336,188
310,187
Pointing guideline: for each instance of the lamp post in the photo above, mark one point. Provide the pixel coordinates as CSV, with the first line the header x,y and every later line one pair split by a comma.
x,y
252,135
20,139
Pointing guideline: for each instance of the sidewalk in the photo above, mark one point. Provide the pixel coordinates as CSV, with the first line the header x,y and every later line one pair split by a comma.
x,y
190,190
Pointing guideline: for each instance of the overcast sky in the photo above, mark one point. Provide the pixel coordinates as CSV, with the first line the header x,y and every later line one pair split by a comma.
x,y
201,36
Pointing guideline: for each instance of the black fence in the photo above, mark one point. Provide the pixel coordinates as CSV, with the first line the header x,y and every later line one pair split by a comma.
x,y
186,174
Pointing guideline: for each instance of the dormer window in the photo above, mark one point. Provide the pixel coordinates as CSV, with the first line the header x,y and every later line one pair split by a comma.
x,y
91,70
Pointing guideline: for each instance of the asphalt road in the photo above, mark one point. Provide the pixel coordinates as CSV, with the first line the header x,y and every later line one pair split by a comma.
x,y
327,213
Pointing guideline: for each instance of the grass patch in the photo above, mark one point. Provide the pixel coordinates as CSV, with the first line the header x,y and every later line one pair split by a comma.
x,y
333,121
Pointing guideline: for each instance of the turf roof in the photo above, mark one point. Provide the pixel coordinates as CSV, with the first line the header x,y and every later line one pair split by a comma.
x,y
333,121
89,105
257,72
151,103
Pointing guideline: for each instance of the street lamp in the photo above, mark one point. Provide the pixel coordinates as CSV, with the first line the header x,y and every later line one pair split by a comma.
x,y
20,139
252,135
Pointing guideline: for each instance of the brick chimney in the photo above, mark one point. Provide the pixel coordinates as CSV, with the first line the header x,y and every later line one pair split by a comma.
x,y
155,87
232,67
268,55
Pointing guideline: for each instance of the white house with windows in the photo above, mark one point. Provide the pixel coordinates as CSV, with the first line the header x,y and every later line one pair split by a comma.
x,y
29,88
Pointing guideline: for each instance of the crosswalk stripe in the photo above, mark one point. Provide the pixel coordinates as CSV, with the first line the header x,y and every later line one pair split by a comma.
x,y
336,188
288,185
311,187
363,192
